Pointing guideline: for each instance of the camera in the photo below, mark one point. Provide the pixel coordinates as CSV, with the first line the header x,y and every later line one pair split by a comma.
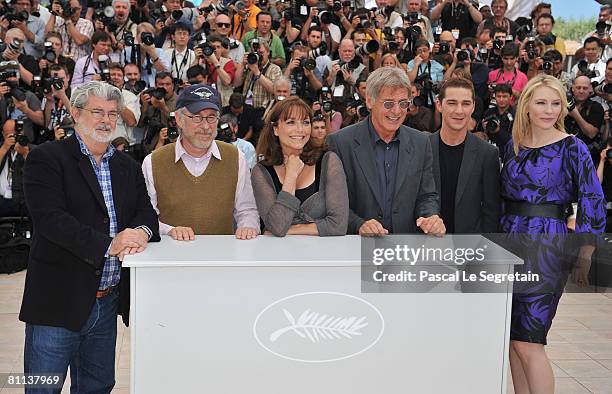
x,y
363,111
308,63
600,28
444,48
239,5
20,138
368,48
173,132
412,17
103,11
104,71
327,105
609,154
49,53
336,6
326,17
498,44
128,39
583,67
147,38
463,55
493,123
57,83
425,81
393,46
253,58
524,31
224,133
176,14
547,64
321,50
351,65
530,47
571,101
138,87
206,48
21,16
158,93
233,44
364,22
67,124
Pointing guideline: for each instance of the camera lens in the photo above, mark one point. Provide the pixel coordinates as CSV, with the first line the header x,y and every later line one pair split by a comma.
x,y
252,58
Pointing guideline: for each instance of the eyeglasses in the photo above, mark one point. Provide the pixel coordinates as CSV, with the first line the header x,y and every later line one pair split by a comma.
x,y
403,104
224,25
210,119
98,114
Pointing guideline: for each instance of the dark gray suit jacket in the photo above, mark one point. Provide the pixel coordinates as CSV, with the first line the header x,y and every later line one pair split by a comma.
x,y
415,191
477,200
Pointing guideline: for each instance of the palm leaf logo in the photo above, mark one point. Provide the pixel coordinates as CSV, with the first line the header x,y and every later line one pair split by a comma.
x,y
315,326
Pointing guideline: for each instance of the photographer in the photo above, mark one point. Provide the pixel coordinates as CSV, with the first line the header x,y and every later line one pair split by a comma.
x,y
13,153
75,31
20,104
558,72
386,16
129,116
414,7
248,119
499,20
592,66
443,49
282,90
423,67
181,57
318,48
245,16
157,103
90,67
604,173
228,128
331,33
56,102
54,51
264,33
123,24
508,74
419,116
32,27
28,66
259,76
603,29
492,56
303,74
221,70
236,50
476,71
319,129
544,28
132,74
342,74
497,120
150,60
586,119
530,55
459,15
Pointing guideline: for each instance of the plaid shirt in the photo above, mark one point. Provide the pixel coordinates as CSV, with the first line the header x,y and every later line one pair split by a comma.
x,y
112,267
70,48
260,96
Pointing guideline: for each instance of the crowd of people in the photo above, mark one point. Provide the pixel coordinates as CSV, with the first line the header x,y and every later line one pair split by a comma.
x,y
293,117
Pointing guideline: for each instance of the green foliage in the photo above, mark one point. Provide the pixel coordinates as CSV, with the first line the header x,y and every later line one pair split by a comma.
x,y
573,29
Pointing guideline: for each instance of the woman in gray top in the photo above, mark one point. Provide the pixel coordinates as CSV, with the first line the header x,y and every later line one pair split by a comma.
x,y
299,187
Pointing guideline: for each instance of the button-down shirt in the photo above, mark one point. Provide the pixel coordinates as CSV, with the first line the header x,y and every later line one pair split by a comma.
x,y
386,156
147,69
84,70
254,93
112,268
132,103
70,48
180,62
37,27
245,209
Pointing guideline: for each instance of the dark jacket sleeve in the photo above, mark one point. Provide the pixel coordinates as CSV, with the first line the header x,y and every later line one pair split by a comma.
x,y
491,201
427,201
354,221
145,215
46,202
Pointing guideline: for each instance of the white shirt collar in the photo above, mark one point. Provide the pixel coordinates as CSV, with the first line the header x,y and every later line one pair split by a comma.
x,y
179,151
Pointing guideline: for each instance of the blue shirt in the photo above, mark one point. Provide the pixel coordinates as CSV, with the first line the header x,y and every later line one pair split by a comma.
x,y
386,157
112,268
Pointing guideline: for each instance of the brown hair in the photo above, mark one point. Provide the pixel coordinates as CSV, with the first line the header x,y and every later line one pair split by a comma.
x,y
459,82
268,146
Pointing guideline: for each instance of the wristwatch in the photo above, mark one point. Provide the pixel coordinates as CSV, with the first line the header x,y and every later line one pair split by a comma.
x,y
217,66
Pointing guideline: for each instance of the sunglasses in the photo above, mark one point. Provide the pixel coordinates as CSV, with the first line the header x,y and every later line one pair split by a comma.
x,y
403,104
224,24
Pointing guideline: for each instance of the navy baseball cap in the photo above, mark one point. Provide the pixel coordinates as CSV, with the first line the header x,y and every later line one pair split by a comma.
x,y
197,98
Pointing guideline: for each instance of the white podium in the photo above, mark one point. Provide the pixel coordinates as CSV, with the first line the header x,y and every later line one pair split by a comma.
x,y
287,316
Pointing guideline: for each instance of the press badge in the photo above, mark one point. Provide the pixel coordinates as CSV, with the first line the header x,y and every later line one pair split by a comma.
x,y
303,10
339,91
455,33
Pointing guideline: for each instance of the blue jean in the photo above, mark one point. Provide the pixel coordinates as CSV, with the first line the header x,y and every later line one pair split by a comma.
x,y
89,352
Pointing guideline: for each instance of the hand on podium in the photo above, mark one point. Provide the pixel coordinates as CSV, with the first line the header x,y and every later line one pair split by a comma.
x,y
179,233
129,241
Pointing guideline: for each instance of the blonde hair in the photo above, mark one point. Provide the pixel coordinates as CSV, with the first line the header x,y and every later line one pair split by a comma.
x,y
522,123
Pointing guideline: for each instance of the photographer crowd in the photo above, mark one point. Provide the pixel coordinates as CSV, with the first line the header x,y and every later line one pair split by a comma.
x,y
312,117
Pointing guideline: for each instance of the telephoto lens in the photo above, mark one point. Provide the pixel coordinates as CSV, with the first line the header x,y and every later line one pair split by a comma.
x,y
368,48
147,38
252,58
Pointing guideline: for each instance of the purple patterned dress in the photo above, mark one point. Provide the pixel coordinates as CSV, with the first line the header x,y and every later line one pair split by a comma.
x,y
558,173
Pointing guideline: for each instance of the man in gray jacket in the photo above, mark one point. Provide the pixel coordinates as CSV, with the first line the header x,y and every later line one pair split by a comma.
x,y
388,166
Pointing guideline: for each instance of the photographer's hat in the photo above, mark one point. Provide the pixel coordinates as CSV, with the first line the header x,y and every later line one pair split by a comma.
x,y
197,98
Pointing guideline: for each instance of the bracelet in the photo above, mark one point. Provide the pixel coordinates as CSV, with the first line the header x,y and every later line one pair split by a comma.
x,y
154,60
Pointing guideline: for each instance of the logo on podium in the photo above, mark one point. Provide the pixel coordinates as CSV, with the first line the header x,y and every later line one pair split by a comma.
x,y
319,327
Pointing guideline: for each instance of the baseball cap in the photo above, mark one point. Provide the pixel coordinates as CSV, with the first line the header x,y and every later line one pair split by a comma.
x,y
197,98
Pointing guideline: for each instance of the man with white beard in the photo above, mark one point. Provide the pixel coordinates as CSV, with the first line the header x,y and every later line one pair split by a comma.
x,y
90,206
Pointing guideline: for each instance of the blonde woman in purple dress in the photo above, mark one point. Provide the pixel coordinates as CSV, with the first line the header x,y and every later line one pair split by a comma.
x,y
545,169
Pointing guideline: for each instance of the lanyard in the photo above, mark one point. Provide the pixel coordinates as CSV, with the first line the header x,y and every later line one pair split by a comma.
x,y
87,63
500,73
179,69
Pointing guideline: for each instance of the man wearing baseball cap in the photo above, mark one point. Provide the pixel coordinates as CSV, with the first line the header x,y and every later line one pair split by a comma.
x,y
199,185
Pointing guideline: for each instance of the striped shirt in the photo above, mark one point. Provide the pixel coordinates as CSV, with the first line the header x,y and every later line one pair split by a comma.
x,y
112,267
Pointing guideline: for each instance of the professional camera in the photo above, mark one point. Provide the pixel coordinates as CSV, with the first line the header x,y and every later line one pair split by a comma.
x,y
147,38
57,83
103,11
176,15
444,48
326,17
137,87
253,58
21,16
67,124
368,48
173,132
601,28
463,55
128,39
609,154
321,50
308,63
224,133
547,39
412,17
493,123
336,6
583,67
524,31
20,138
425,81
239,5
571,101
547,64
158,93
104,70
233,44
206,48
498,44
351,65
530,47
393,46
48,52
